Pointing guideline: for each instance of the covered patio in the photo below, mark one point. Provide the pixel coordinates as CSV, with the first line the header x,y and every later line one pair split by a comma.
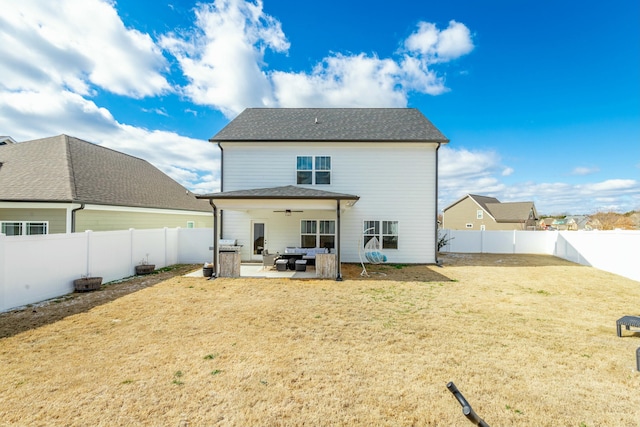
x,y
284,200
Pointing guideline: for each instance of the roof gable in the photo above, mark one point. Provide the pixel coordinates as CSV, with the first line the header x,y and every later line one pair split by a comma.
x,y
481,201
330,124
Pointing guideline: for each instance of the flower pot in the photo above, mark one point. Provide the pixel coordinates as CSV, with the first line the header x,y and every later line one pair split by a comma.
x,y
87,284
145,268
207,271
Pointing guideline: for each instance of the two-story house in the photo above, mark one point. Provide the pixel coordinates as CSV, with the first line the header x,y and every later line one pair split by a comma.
x,y
332,178
474,212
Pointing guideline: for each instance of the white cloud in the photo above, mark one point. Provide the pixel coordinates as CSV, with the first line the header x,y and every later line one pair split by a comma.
x,y
581,171
440,46
464,172
191,162
76,45
223,59
355,81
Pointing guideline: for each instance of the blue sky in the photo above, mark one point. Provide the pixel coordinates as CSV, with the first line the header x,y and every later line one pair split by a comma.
x,y
540,99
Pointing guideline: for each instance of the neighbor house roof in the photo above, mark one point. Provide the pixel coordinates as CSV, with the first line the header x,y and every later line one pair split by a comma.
x,y
510,212
482,201
330,124
501,212
68,169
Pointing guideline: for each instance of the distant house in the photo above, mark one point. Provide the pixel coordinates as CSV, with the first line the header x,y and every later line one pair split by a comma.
x,y
330,178
571,223
473,212
63,184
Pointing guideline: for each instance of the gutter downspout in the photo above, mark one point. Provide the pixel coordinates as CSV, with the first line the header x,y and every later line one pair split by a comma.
x,y
436,221
338,262
215,240
73,217
221,183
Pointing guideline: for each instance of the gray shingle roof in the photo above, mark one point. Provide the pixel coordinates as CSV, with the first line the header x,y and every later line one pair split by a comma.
x,y
330,124
68,169
286,192
511,211
483,201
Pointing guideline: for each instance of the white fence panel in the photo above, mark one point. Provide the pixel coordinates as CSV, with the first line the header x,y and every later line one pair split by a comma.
x,y
194,244
171,236
110,255
464,241
500,242
37,268
614,251
528,242
148,246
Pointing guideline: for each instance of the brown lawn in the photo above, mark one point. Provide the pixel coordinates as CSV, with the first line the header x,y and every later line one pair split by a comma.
x,y
529,340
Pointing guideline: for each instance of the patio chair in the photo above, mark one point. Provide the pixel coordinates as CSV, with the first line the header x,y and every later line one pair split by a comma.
x,y
268,260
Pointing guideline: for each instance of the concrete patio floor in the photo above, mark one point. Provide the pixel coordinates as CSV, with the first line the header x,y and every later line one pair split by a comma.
x,y
256,270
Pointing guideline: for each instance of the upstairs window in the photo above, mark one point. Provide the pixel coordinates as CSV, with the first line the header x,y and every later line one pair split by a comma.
x,y
479,214
313,170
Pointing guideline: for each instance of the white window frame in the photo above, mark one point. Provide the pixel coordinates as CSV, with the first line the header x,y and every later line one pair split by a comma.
x,y
469,225
318,230
381,229
479,214
317,166
25,227
191,224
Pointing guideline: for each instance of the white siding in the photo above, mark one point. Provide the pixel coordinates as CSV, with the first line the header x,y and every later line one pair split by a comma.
x,y
395,182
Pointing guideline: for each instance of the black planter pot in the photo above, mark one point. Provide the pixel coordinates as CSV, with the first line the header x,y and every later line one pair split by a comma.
x,y
87,284
145,268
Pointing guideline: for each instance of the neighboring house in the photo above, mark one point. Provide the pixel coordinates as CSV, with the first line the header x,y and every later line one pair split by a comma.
x,y
63,184
330,177
473,212
571,223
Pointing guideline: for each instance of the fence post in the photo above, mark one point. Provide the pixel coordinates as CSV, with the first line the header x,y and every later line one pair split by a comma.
x,y
3,268
166,245
87,233
131,262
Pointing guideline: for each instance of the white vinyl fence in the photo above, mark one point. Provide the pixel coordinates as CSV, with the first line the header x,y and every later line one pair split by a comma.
x,y
37,268
616,251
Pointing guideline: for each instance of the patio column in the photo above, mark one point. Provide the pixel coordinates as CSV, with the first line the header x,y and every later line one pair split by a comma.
x,y
338,266
215,240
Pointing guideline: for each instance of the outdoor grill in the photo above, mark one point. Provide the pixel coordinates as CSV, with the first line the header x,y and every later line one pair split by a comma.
x,y
228,245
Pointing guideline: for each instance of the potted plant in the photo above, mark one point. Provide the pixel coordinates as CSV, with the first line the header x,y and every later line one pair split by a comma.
x,y
87,283
207,269
144,267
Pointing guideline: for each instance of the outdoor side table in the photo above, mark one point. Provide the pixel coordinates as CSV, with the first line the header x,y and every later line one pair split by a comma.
x,y
627,321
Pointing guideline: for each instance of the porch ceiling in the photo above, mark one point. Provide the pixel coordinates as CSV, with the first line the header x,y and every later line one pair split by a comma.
x,y
287,197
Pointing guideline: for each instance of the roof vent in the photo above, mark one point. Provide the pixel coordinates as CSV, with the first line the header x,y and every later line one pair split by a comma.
x,y
317,120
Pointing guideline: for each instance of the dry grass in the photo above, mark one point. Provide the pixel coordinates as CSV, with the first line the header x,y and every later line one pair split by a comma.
x,y
528,340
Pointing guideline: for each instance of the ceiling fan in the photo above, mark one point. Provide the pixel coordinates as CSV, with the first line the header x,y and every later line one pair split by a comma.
x,y
287,212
